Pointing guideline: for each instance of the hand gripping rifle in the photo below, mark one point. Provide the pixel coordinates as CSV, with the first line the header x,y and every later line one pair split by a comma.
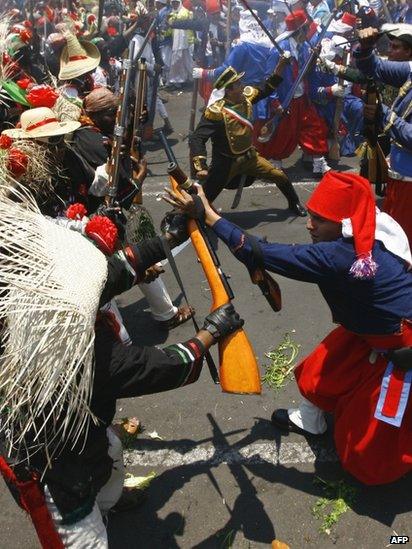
x,y
373,162
271,125
120,127
239,371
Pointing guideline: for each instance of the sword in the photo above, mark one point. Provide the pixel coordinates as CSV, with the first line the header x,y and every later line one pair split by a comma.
x,y
239,192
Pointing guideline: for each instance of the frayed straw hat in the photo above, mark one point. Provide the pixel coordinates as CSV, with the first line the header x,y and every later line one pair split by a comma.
x,y
77,58
52,278
41,122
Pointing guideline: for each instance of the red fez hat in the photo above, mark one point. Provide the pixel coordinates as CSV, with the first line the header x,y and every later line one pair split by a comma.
x,y
348,196
295,20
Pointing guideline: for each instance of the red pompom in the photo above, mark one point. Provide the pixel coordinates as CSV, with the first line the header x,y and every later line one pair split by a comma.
x,y
5,141
76,211
42,95
17,162
24,83
103,231
111,31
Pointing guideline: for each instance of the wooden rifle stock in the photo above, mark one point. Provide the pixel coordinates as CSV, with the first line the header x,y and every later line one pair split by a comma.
x,y
374,166
140,112
238,371
119,128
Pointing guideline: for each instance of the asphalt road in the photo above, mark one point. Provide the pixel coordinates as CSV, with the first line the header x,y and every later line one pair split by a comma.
x,y
225,476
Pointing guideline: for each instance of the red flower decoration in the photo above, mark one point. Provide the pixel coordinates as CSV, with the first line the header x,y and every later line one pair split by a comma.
x,y
111,31
24,83
5,141
91,18
26,35
17,162
76,211
42,95
27,24
103,231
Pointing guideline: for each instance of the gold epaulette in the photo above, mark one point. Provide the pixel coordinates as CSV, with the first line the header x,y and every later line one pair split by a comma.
x,y
250,92
214,112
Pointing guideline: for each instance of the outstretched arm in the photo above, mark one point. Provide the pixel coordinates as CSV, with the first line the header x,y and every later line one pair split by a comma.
x,y
308,263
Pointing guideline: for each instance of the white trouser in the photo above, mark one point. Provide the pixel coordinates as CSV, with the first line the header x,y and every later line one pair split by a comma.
x,y
160,108
158,297
90,532
308,417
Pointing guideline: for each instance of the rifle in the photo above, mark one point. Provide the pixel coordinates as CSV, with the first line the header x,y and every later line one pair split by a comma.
x,y
373,162
139,119
239,371
334,151
120,126
271,125
100,16
228,26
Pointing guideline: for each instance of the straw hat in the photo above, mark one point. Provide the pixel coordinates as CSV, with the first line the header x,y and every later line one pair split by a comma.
x,y
41,122
53,278
77,58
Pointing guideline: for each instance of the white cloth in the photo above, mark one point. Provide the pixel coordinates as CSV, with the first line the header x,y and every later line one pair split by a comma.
x,y
110,493
308,417
250,31
147,53
300,90
181,66
99,183
90,532
216,95
389,232
158,297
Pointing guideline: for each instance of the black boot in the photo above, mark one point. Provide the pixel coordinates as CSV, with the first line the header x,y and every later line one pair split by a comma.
x,y
287,189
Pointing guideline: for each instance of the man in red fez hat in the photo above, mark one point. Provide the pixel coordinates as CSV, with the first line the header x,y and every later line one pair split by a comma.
x,y
302,125
362,371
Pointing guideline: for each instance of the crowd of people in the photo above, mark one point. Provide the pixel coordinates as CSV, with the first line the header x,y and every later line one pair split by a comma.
x,y
79,85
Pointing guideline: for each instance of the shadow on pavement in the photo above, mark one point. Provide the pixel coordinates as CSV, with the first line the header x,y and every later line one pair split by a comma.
x,y
144,528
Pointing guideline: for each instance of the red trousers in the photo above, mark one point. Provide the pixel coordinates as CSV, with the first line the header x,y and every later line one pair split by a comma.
x,y
398,204
338,377
302,126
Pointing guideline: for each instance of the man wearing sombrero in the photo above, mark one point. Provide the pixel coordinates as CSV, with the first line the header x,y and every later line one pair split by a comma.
x,y
362,371
227,121
66,359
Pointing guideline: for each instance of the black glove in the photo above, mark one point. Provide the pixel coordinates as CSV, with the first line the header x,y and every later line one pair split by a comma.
x,y
175,224
401,358
223,321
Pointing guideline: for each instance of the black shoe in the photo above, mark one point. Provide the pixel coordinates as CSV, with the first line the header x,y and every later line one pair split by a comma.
x,y
280,418
298,209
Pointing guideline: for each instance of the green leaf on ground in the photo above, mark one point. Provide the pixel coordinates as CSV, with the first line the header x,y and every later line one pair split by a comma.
x,y
282,363
339,498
